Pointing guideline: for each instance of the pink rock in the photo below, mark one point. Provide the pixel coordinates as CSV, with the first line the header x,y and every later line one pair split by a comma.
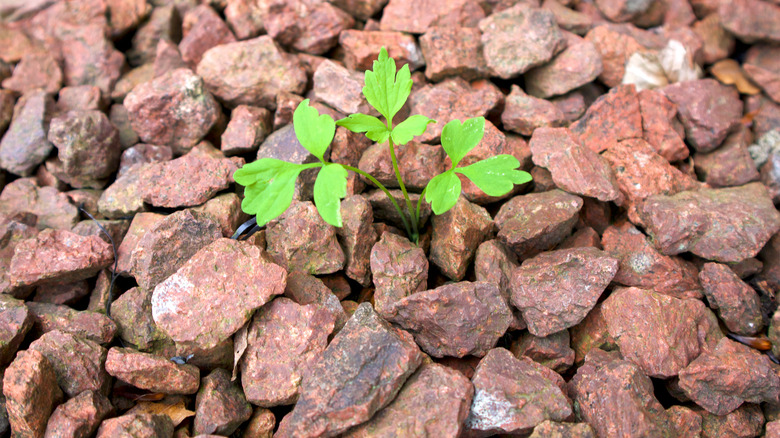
x,y
143,154
138,227
661,129
220,406
79,416
612,117
616,43
25,146
405,16
361,49
456,236
139,425
185,181
622,10
737,303
92,326
225,210
150,372
91,59
35,70
307,26
524,114
399,269
357,236
164,23
248,128
31,393
744,421
552,351
418,164
307,289
16,321
450,51
494,263
202,29
762,66
77,362
80,97
730,165
341,88
578,64
126,15
751,20
168,58
48,207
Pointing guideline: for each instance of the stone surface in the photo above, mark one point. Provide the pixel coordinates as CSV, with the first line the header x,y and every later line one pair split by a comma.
x,y
24,146
532,223
399,269
150,372
15,322
361,48
737,303
132,313
556,289
403,16
141,223
230,72
247,129
301,240
616,43
577,65
307,289
220,406
47,207
31,393
507,56
456,236
494,263
552,429
747,420
92,326
77,362
143,154
89,58
524,114
185,181
718,43
512,396
137,425
612,117
357,236
452,51
341,88
80,98
37,70
418,163
284,341
763,68
224,209
80,416
552,351
433,402
193,312
725,225
661,128
311,27
202,29
348,385
731,374
751,20
120,118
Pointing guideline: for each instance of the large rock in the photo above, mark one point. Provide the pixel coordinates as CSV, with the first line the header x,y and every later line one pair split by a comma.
x,y
524,114
751,20
399,269
202,29
311,27
85,324
357,237
31,393
246,279
577,65
662,130
89,58
80,416
220,406
612,117
738,304
15,322
153,373
452,51
456,236
51,208
25,145
406,16
78,363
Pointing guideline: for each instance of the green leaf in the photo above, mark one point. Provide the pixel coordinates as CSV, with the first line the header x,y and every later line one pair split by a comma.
x,y
373,127
497,175
443,191
383,89
314,131
410,128
270,184
458,139
329,188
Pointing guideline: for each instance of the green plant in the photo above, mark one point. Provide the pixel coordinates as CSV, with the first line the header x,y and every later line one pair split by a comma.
x,y
270,183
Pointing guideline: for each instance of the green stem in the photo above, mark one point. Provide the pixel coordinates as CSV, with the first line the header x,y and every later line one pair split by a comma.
x,y
419,202
387,192
416,234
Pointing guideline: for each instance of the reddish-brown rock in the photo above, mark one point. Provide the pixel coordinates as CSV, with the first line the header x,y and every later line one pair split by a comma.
x,y
137,426
48,207
746,420
150,372
202,29
224,209
307,289
261,425
31,393
762,66
536,222
725,225
616,43
494,263
361,49
164,23
453,51
78,363
418,163
89,58
88,325
141,223
406,16
717,42
35,70
577,65
230,72
434,402
357,237
661,128
729,375
751,20
513,396
248,128
80,98
311,27
143,154
399,269
612,117
555,429
220,406
132,313
591,334
78,417
524,114
185,181
284,340
359,373
552,351
456,236
556,289
341,88
15,322
25,146
737,303
193,312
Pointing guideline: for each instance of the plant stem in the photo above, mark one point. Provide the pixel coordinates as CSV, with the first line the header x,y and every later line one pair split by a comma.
x,y
387,192
419,202
415,233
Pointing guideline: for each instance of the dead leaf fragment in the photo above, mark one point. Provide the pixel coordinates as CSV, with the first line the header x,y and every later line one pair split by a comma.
x,y
172,406
650,69
729,72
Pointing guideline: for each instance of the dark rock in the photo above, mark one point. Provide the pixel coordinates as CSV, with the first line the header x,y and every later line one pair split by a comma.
x,y
202,29
494,263
92,326
168,58
25,146
150,372
418,164
16,321
384,210
737,303
357,237
584,237
453,51
31,393
399,269
7,102
220,406
404,16
137,426
577,65
612,117
456,236
80,416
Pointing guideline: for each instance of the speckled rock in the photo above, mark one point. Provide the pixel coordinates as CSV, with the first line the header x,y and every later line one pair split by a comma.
x,y
616,43
123,197
341,88
418,164
642,266
49,207
552,351
301,240
737,303
746,421
731,374
226,210
31,393
247,129
202,29
725,225
612,117
168,244
80,98
261,425
513,396
456,236
451,51
137,426
728,166
230,72
591,334
247,280
530,224
15,322
132,313
284,340
150,372
89,58
92,326
25,146
751,20
156,108
361,48
763,68
311,27
577,65
141,223
405,16
718,43
307,289
434,402
79,417
143,154
361,380
556,289
220,406
661,128
494,263
553,429
357,236
77,362
524,114
36,70
399,269
507,56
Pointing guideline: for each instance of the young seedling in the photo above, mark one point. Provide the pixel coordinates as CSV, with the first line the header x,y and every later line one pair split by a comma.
x,y
270,183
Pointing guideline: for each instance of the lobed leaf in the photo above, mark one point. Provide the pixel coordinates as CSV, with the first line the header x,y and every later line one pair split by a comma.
x,y
410,128
497,175
384,90
373,127
270,184
443,191
314,131
329,188
458,139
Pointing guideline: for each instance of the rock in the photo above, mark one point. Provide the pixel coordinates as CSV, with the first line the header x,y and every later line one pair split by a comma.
x,y
718,43
164,23
31,393
16,43
357,237
664,340
418,164
377,370
577,65
89,58
247,129
341,88
551,303
770,176
707,109
731,374
451,51
307,289
456,236
505,55
132,313
35,71
385,211
404,16
80,98
747,420
311,27
616,43
47,207
513,396
141,223
80,416
203,29
524,114
661,128
494,263
7,102
574,168
552,429
126,15
156,108
642,266
724,225
137,425
532,223
120,118
220,406
568,19
168,58
399,269
225,210
434,401
230,72
143,154
751,20
763,68
15,321
25,146
92,326
584,237
261,425
737,303
285,340
623,10
248,283
612,117
77,362
169,244
591,334
185,181
301,240
361,49
552,351
88,147
150,372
